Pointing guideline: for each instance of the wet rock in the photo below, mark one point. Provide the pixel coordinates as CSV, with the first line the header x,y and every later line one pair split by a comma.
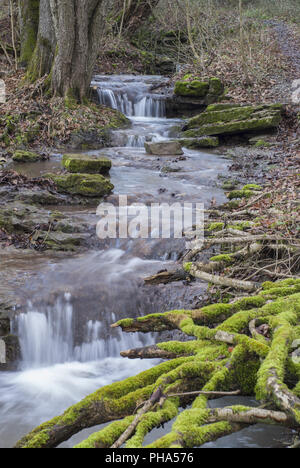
x,y
164,148
202,142
40,197
261,141
42,228
192,94
21,156
4,324
167,169
86,164
229,120
61,241
10,352
87,185
91,140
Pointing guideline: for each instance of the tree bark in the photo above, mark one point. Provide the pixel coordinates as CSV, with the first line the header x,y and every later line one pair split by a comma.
x,y
29,23
67,45
44,52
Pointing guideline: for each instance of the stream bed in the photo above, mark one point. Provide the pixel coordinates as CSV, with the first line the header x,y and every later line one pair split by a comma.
x,y
67,303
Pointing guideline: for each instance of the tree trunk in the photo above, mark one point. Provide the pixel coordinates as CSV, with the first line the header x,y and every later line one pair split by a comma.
x,y
44,52
79,27
67,45
29,23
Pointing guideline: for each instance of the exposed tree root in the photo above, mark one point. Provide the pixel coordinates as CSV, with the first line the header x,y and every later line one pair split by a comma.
x,y
222,359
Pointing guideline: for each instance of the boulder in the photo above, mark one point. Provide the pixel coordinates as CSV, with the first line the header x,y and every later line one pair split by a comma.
x,y
195,88
86,185
231,119
164,148
192,94
202,142
86,164
26,156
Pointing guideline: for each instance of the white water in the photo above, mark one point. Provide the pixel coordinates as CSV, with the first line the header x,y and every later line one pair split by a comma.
x,y
47,338
59,365
131,95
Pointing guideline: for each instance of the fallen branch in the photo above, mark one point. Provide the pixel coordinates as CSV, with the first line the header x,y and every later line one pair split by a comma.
x,y
155,397
166,277
222,280
149,352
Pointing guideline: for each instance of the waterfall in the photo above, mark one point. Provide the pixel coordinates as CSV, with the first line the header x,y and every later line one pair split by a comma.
x,y
150,107
135,141
47,337
131,95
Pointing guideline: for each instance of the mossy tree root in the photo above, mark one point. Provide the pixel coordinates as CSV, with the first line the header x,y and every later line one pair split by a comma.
x,y
224,357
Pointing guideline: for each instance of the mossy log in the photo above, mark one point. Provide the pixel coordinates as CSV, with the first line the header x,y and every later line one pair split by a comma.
x,y
223,357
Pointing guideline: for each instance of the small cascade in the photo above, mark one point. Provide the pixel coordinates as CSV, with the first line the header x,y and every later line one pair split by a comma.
x,y
135,141
131,95
47,337
150,106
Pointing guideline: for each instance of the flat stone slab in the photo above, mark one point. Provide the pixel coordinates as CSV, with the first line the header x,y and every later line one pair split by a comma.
x,y
232,119
86,185
164,148
201,142
26,156
86,164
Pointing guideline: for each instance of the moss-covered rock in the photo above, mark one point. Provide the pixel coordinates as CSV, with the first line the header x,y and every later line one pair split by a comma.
x,y
202,142
26,156
86,164
234,120
87,185
195,88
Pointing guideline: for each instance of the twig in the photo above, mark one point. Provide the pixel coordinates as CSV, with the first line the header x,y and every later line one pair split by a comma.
x,y
155,398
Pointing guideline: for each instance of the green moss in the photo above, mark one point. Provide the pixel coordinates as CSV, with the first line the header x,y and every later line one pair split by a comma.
x,y
203,142
25,156
222,258
233,120
240,194
215,226
152,420
194,88
252,187
86,164
108,435
187,267
30,19
87,185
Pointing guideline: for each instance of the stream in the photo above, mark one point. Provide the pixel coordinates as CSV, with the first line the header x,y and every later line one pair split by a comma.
x,y
69,302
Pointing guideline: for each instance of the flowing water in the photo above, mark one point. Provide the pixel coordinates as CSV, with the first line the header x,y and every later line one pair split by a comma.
x,y
68,304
